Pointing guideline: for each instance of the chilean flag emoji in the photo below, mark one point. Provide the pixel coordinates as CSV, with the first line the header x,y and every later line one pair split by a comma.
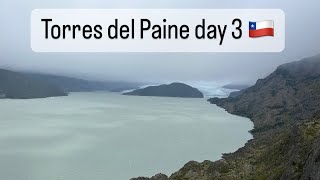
x,y
261,28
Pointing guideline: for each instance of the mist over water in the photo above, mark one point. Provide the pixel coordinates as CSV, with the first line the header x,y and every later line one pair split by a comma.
x,y
105,136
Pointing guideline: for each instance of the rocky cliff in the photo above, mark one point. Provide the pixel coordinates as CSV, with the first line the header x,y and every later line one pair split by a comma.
x,y
285,109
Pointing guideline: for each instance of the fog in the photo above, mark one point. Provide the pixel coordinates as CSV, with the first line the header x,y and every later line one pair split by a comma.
x,y
302,40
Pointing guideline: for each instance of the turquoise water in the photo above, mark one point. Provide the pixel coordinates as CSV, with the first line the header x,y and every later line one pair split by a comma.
x,y
107,136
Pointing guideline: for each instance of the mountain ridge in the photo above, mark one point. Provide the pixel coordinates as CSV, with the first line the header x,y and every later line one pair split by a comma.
x,y
16,85
23,85
70,84
168,90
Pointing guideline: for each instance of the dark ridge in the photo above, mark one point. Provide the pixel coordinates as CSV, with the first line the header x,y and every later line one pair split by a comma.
x,y
15,85
69,84
170,90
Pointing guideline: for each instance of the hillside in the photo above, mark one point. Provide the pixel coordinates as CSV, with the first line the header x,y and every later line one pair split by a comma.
x,y
285,109
69,84
15,85
290,94
170,90
236,86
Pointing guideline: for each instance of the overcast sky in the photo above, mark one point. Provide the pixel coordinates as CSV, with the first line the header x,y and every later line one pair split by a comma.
x,y
302,40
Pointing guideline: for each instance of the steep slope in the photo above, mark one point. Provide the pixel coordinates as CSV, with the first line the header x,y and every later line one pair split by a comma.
x,y
285,109
291,93
170,90
19,86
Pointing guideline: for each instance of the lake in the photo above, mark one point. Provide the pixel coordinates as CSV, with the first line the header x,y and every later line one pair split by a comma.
x,y
107,136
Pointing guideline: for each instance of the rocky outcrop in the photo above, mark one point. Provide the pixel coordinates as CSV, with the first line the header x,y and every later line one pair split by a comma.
x,y
311,169
170,90
156,177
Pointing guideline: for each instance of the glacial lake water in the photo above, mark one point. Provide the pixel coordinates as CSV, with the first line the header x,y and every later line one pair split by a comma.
x,y
107,136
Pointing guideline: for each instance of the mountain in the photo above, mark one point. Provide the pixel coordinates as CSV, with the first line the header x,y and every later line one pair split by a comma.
x,y
285,110
170,90
290,93
31,85
235,94
69,84
236,86
15,85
